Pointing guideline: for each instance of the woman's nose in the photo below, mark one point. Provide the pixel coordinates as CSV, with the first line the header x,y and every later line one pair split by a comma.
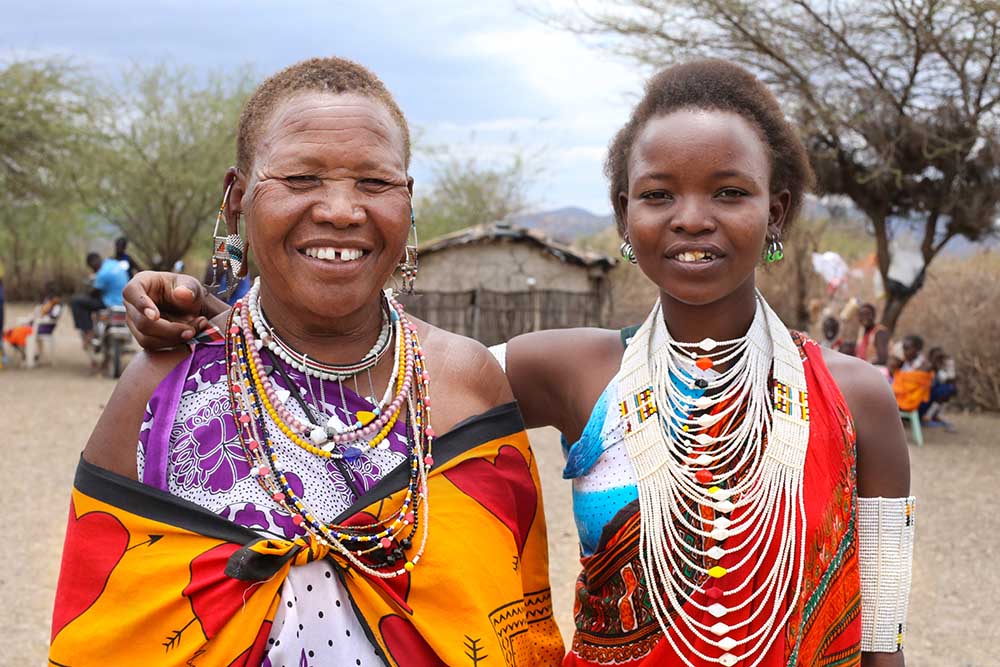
x,y
339,204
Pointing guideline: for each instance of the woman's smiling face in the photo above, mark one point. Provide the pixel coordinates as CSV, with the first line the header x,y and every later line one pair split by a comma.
x,y
699,205
328,202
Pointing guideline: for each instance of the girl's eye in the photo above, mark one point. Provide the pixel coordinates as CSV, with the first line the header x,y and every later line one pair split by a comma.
x,y
731,193
656,194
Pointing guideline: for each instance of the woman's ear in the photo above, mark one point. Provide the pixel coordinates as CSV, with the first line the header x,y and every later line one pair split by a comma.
x,y
234,184
778,213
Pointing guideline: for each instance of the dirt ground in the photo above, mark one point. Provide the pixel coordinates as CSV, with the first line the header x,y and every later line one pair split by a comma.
x,y
46,415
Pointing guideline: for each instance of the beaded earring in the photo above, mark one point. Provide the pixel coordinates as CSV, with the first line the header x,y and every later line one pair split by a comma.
x,y
229,251
775,250
410,264
627,251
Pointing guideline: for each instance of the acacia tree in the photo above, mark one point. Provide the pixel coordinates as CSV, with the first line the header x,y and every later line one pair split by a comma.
x,y
168,140
896,100
45,136
465,192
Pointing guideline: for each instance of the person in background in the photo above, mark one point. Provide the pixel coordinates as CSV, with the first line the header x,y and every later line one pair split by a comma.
x,y
873,339
943,387
110,278
911,374
128,263
50,306
908,355
831,333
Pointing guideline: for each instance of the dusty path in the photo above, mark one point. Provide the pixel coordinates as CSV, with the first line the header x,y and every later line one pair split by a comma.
x,y
46,415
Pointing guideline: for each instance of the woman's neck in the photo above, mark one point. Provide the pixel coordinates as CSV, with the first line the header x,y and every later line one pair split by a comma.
x,y
339,340
725,319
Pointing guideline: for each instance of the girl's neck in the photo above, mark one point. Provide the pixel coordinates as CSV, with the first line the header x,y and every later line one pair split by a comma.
x,y
725,319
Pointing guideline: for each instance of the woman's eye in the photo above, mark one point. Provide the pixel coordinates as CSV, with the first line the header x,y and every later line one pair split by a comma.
x,y
731,193
374,184
301,180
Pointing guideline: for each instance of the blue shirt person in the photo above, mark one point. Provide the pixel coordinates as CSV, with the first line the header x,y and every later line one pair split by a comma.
x,y
110,278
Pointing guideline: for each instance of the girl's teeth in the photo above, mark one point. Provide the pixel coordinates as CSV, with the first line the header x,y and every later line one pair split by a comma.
x,y
697,256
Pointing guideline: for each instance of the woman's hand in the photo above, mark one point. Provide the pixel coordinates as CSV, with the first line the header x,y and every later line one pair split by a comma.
x,y
167,309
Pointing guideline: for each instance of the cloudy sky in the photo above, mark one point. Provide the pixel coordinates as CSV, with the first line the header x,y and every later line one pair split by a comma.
x,y
485,81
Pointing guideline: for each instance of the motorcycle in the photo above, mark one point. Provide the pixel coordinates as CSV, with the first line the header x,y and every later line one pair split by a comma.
x,y
112,339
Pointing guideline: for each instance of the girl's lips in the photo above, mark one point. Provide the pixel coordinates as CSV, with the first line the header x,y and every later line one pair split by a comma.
x,y
699,266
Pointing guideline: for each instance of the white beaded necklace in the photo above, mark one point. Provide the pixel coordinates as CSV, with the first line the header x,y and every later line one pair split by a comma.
x,y
696,443
310,367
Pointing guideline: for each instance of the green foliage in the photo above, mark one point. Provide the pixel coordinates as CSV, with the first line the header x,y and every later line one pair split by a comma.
x,y
168,141
465,193
46,136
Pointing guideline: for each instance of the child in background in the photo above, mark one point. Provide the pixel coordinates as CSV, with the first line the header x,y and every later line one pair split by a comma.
x,y
51,306
943,388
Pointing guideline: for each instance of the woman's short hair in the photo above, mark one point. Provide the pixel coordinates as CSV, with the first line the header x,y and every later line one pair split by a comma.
x,y
332,75
717,85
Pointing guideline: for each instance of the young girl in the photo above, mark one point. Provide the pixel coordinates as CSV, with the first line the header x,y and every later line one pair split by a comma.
x,y
741,494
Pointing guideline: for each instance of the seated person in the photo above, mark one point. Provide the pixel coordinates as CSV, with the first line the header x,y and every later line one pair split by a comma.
x,y
110,278
50,308
943,387
911,374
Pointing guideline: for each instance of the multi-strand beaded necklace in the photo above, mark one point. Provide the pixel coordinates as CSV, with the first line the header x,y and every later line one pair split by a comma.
x,y
710,492
257,405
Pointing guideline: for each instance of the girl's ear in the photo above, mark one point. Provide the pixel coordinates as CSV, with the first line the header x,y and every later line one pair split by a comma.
x,y
778,213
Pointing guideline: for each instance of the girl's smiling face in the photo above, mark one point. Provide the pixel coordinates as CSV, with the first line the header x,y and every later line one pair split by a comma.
x,y
699,207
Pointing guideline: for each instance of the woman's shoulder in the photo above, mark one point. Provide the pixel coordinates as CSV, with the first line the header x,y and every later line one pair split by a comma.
x,y
465,377
112,444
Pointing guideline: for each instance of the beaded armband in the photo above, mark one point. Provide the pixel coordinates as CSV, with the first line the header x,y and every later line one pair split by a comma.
x,y
500,353
885,558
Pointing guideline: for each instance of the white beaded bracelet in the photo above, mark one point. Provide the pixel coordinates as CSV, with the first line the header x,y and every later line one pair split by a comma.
x,y
885,558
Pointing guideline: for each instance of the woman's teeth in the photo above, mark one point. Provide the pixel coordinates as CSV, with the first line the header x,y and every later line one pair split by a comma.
x,y
334,254
695,256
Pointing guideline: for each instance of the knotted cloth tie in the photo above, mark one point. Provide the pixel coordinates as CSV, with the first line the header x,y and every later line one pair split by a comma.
x,y
262,559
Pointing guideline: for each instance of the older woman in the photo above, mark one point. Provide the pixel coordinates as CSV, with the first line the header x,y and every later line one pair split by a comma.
x,y
292,499
741,495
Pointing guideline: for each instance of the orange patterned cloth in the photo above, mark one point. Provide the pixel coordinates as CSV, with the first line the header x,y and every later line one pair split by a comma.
x,y
912,388
614,616
150,579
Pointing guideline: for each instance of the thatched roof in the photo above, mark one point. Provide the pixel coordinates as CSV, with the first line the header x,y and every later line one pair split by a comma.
x,y
505,233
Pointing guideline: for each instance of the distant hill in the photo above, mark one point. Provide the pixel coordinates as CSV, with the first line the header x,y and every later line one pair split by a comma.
x,y
564,224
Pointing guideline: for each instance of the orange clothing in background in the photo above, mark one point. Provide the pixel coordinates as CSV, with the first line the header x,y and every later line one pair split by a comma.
x,y
912,388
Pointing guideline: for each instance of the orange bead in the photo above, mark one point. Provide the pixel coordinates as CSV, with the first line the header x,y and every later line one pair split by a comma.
x,y
704,363
704,476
